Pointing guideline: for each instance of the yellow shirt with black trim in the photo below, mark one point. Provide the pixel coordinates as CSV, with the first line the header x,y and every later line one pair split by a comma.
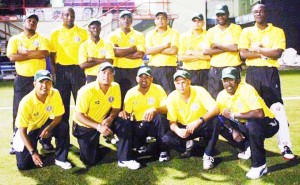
x,y
271,37
244,100
28,68
88,48
65,42
153,38
199,103
33,114
137,103
133,38
228,36
190,41
92,102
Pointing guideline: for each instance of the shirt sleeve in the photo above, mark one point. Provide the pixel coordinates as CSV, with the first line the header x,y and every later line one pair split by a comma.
x,y
280,40
244,41
12,46
128,102
172,109
23,115
182,45
82,105
162,97
82,54
148,39
117,95
175,39
58,108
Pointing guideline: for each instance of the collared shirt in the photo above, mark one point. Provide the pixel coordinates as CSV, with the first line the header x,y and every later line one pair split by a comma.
x,y
33,113
137,103
92,102
190,41
271,37
228,36
65,42
88,48
244,100
199,103
153,38
133,38
28,68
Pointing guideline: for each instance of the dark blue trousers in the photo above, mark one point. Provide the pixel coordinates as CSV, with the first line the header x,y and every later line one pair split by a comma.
x,y
199,77
90,78
164,76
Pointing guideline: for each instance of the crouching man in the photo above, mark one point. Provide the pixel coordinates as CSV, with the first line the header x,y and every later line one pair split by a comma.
x,y
98,104
240,103
33,123
192,113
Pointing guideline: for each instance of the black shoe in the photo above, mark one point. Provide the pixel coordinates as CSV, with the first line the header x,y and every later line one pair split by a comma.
x,y
12,151
186,154
48,147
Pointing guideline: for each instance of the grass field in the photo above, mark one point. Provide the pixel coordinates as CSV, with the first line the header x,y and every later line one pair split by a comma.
x,y
229,170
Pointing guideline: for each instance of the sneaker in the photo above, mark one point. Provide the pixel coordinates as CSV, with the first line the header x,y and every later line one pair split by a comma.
x,y
12,151
142,150
132,164
255,173
65,165
150,139
48,147
287,153
208,162
164,156
245,154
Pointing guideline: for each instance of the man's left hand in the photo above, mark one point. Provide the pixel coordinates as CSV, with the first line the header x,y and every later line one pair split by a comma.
x,y
149,114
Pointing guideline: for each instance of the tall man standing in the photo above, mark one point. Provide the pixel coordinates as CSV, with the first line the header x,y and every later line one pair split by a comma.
x,y
65,42
129,48
29,51
94,51
222,43
261,45
162,45
190,52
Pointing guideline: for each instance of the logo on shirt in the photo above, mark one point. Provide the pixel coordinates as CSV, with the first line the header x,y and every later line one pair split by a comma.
x,y
134,102
111,99
36,43
180,110
49,108
150,100
132,41
36,114
97,102
77,39
195,106
103,51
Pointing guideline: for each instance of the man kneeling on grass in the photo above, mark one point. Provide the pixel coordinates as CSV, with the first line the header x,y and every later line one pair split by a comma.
x,y
98,104
33,123
241,105
192,113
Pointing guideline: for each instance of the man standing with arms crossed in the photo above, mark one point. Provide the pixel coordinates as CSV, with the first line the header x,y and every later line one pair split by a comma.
x,y
65,42
29,51
129,48
222,43
261,45
162,45
190,52
94,51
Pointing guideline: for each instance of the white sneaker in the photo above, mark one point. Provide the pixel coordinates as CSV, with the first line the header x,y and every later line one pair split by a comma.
x,y
287,153
164,156
208,162
65,165
255,173
245,154
132,164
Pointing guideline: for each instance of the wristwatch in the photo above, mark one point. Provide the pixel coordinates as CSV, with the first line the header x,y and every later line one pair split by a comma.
x,y
32,152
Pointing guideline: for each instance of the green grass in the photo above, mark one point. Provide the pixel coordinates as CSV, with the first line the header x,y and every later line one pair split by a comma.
x,y
229,169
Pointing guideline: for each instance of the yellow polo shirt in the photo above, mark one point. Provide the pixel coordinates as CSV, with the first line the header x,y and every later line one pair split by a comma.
x,y
33,114
271,37
89,48
133,38
28,68
153,38
65,42
229,36
189,41
137,103
244,100
200,103
92,102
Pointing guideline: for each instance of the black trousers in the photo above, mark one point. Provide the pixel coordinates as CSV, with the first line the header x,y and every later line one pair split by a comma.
x,y
62,139
88,140
164,76
199,77
208,130
255,132
90,78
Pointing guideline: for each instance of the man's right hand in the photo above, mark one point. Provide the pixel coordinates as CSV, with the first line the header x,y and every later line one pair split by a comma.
x,y
37,160
105,130
183,133
124,115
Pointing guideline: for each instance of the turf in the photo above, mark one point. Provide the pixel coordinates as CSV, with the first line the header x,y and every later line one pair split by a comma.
x,y
229,170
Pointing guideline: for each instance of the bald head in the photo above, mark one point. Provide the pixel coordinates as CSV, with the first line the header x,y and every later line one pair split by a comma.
x,y
68,17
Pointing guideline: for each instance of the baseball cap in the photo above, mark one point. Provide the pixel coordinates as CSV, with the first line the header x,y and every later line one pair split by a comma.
x,y
181,73
106,65
197,16
31,16
125,12
163,13
144,71
230,72
221,8
42,75
91,21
